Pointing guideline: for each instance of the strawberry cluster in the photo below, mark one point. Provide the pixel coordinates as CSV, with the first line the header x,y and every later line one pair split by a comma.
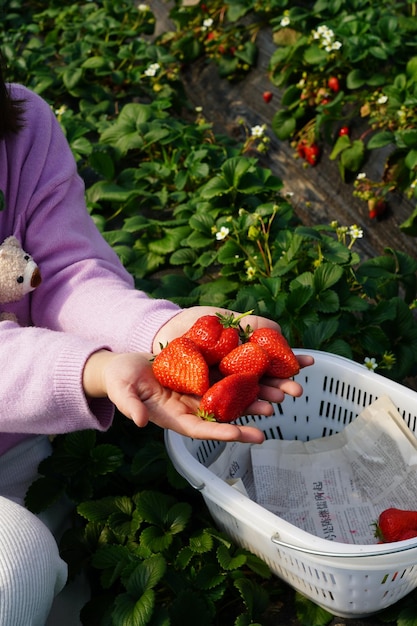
x,y
219,361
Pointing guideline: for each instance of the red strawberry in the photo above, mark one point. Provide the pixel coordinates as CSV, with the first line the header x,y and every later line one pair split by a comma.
x,y
283,361
408,534
229,398
376,207
267,96
396,524
301,148
180,366
312,154
333,83
246,358
215,335
344,131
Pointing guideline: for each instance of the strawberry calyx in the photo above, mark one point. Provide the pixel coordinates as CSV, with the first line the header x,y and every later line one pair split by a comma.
x,y
205,415
230,320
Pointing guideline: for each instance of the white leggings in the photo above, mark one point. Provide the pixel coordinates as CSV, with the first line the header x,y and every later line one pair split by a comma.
x,y
31,570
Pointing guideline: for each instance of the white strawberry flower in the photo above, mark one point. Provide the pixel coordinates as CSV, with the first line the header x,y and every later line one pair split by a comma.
x,y
258,130
222,233
355,232
152,69
208,23
370,363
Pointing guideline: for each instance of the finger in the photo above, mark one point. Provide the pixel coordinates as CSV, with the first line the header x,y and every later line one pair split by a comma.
x,y
255,322
304,360
197,428
130,406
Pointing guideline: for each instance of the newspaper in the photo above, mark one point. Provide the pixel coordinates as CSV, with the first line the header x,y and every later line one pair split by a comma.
x,y
334,487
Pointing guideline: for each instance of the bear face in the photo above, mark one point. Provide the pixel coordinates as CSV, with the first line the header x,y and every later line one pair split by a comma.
x,y
19,274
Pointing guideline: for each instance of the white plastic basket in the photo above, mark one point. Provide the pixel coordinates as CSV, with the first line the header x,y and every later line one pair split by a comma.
x,y
346,579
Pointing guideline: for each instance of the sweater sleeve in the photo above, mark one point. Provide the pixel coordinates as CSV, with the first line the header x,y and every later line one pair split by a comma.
x,y
86,301
85,290
41,391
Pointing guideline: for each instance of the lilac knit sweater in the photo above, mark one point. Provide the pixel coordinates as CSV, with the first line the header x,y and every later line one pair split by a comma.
x,y
86,300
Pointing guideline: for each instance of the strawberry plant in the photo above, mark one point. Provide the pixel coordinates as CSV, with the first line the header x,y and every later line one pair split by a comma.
x,y
145,542
349,62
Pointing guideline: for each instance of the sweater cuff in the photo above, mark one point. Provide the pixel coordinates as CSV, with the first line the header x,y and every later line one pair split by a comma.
x,y
78,411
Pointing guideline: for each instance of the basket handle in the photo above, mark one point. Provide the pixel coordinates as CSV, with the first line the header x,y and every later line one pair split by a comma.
x,y
306,550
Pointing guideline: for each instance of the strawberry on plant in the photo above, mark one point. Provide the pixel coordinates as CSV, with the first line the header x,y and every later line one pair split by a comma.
x,y
180,366
344,131
312,154
301,148
377,207
267,96
283,363
229,398
396,525
333,84
215,335
248,357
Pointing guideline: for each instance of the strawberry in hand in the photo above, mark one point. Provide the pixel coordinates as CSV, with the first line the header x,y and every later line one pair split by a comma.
x,y
181,367
215,335
246,358
228,399
283,362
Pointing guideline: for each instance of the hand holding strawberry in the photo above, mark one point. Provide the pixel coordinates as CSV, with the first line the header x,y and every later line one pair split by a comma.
x,y
128,381
214,340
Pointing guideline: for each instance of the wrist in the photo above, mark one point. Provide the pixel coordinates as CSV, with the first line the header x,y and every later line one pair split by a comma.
x,y
93,380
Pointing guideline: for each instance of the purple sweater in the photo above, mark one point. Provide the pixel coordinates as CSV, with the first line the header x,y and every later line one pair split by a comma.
x,y
86,301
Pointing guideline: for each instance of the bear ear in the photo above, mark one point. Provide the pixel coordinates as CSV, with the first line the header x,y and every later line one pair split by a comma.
x,y
11,241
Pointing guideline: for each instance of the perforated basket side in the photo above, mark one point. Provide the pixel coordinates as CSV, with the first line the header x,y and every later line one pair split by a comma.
x,y
348,586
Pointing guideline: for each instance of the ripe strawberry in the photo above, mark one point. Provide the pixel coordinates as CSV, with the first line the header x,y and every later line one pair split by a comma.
x,y
301,148
248,358
229,398
333,83
376,208
408,534
267,96
180,366
215,335
344,131
396,524
283,361
312,154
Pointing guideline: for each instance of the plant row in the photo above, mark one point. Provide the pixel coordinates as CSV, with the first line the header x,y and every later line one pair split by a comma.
x,y
347,71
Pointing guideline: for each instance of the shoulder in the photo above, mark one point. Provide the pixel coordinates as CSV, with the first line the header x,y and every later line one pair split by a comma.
x,y
33,104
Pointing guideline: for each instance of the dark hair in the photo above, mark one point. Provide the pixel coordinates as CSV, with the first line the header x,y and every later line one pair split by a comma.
x,y
11,111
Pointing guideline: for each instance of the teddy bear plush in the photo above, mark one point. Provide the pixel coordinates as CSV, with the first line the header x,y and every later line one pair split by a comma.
x,y
19,274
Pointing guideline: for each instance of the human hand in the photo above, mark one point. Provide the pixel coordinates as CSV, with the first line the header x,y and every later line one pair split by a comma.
x,y
128,381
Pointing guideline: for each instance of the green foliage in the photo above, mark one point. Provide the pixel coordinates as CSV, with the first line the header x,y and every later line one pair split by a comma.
x,y
367,47
148,546
197,219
